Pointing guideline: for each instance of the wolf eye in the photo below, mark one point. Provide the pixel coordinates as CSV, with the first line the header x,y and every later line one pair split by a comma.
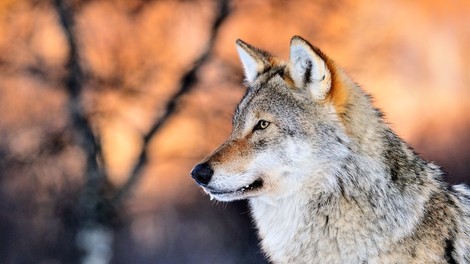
x,y
262,124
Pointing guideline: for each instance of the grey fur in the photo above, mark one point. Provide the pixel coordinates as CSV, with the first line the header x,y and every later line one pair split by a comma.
x,y
337,187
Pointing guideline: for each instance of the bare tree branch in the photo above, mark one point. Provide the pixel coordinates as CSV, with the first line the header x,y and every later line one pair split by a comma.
x,y
187,83
94,208
74,83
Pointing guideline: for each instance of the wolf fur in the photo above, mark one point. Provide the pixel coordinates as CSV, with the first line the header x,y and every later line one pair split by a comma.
x,y
327,180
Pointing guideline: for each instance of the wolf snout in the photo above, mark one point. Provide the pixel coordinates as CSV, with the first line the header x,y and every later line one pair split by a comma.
x,y
202,173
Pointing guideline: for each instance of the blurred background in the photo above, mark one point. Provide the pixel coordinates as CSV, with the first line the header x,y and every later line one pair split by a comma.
x,y
105,106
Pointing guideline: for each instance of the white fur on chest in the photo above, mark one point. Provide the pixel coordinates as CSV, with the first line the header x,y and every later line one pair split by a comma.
x,y
279,224
291,234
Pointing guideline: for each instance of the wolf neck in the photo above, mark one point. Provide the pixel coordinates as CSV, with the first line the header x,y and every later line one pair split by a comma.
x,y
362,210
380,177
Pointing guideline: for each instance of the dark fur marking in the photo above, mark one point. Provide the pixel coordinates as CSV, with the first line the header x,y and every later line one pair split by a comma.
x,y
394,173
263,71
261,144
341,186
450,188
379,113
339,140
369,96
394,156
281,72
290,132
308,72
404,169
449,250
323,201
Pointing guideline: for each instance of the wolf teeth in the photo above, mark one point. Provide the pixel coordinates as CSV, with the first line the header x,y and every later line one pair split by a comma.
x,y
247,187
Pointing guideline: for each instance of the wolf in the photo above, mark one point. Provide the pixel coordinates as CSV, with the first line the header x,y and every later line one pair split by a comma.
x,y
326,178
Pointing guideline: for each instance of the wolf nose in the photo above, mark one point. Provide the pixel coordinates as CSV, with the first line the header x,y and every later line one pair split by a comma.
x,y
202,173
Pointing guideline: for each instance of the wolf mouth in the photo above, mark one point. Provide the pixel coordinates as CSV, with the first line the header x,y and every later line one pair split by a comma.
x,y
251,187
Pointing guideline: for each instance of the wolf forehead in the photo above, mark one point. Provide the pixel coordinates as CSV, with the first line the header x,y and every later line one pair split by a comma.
x,y
273,93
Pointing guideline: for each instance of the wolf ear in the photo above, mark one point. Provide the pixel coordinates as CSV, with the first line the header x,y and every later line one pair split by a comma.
x,y
254,60
308,69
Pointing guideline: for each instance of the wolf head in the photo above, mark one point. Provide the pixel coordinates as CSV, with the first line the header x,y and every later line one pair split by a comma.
x,y
287,130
